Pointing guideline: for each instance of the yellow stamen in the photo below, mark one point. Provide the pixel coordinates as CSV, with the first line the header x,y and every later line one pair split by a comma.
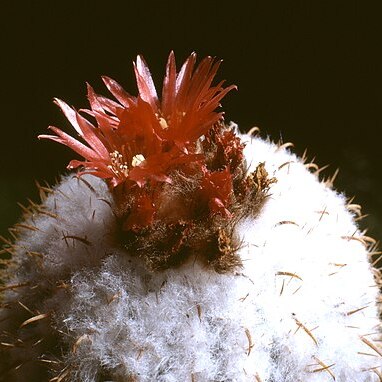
x,y
163,123
137,160
118,166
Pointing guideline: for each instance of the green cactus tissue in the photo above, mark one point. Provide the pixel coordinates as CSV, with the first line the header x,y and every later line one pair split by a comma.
x,y
182,250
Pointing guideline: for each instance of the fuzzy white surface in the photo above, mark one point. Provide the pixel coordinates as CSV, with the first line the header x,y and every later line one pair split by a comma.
x,y
305,298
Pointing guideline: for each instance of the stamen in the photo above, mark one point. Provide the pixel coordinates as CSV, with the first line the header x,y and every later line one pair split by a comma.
x,y
163,123
137,160
118,166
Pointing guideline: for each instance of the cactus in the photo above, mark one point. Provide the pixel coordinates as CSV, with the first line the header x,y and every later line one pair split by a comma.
x,y
186,251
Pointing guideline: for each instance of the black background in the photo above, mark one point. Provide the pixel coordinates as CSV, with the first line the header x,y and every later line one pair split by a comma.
x,y
307,71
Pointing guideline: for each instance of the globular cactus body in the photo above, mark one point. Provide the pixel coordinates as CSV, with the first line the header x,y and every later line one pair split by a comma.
x,y
300,304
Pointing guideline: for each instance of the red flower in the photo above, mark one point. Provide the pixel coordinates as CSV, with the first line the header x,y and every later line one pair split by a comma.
x,y
216,190
141,215
142,138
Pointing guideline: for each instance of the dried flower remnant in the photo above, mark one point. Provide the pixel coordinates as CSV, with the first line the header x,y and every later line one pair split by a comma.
x,y
164,155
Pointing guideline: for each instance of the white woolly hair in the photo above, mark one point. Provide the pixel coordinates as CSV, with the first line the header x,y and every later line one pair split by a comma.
x,y
302,308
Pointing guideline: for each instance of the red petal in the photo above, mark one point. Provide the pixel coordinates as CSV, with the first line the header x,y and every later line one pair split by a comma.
x,y
117,90
90,136
95,104
145,83
169,86
69,141
69,113
108,104
183,79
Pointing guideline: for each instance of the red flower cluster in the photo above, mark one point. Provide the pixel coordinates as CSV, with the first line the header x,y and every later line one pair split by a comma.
x,y
141,138
138,142
176,172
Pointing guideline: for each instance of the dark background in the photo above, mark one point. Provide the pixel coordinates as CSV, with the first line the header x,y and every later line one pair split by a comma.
x,y
307,71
